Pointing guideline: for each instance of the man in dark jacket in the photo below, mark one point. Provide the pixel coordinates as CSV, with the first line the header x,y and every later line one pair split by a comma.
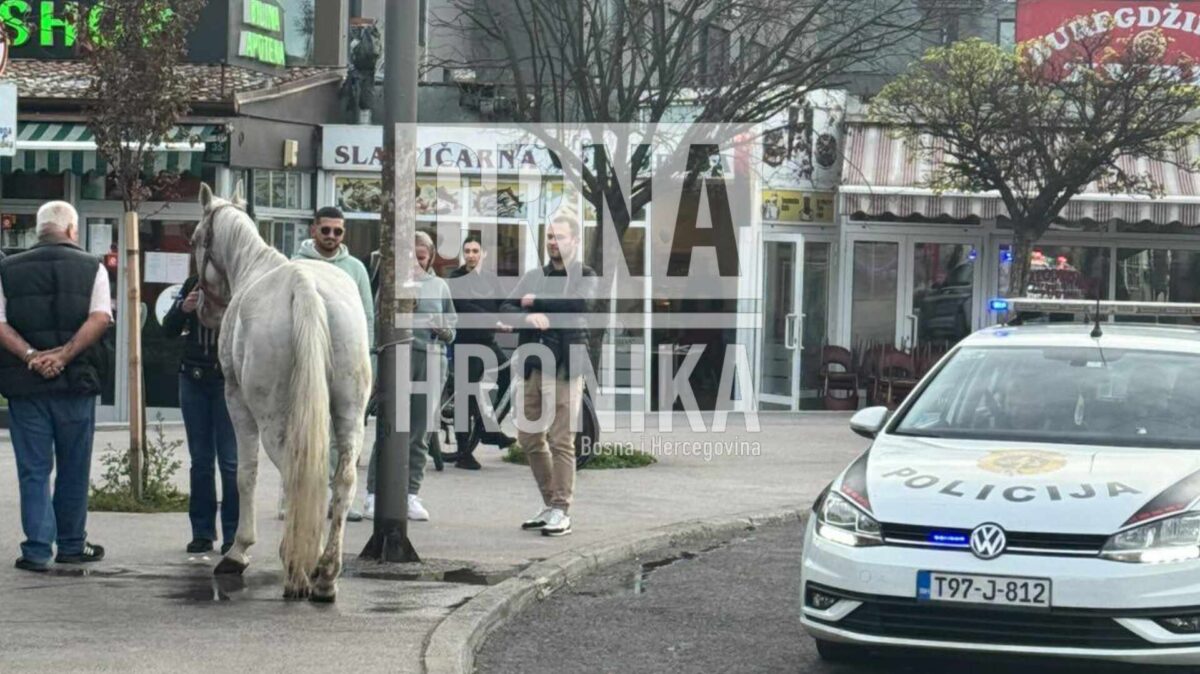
x,y
474,291
210,436
555,301
54,308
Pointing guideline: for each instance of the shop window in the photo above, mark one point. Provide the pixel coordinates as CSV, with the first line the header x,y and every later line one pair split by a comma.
x,y
1158,275
283,236
281,189
503,201
362,238
17,231
1060,272
358,195
38,186
183,190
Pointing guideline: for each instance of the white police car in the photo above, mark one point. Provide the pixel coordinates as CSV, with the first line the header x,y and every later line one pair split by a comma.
x,y
1038,493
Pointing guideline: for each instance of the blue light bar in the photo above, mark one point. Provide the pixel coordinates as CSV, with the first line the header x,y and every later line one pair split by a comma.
x,y
949,539
998,305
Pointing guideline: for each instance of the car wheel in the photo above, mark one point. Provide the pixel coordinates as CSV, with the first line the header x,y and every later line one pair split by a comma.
x,y
832,651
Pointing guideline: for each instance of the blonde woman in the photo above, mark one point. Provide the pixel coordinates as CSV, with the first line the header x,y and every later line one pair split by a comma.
x,y
435,309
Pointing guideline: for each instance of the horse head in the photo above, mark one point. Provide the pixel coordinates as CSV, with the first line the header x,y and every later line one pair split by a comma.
x,y
211,258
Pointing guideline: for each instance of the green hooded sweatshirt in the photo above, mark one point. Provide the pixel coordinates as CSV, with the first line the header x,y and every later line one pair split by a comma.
x,y
352,266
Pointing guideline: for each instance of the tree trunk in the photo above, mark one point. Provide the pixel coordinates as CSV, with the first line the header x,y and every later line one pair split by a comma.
x,y
1022,248
133,311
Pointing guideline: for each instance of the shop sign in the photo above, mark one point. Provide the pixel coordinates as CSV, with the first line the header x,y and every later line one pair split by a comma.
x,y
261,38
8,119
797,206
1052,26
44,28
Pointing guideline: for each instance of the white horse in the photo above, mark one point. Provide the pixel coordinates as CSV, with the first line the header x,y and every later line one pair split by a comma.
x,y
294,351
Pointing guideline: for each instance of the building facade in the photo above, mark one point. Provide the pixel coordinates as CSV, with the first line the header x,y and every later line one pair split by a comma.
x,y
265,74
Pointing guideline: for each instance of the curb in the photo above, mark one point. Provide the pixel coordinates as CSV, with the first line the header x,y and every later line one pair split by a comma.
x,y
452,645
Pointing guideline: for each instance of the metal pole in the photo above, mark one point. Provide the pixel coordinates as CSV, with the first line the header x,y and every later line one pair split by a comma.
x,y
389,541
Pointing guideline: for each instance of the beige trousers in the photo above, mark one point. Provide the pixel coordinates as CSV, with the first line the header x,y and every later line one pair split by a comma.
x,y
550,448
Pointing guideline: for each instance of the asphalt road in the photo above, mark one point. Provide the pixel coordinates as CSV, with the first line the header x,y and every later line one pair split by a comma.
x,y
731,608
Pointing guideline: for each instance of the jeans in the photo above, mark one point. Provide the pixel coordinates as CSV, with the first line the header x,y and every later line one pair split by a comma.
x,y
211,444
419,425
47,430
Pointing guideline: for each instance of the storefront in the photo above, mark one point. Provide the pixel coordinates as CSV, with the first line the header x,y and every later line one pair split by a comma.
x,y
794,269
920,268
251,120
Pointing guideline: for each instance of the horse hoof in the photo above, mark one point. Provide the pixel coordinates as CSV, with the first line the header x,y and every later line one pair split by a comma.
x,y
230,567
297,593
322,598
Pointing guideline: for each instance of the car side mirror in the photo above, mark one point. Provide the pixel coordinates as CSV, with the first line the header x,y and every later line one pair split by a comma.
x,y
870,421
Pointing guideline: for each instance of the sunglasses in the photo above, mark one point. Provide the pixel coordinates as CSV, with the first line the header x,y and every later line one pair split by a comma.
x,y
332,231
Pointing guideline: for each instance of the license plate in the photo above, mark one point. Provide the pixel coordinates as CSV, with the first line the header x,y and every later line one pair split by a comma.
x,y
978,589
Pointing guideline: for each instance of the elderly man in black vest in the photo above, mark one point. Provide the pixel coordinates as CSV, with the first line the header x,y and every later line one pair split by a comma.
x,y
54,308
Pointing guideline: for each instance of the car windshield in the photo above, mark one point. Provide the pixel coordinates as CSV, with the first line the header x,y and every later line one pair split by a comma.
x,y
1062,395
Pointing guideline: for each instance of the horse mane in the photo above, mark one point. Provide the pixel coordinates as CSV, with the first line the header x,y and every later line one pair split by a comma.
x,y
237,243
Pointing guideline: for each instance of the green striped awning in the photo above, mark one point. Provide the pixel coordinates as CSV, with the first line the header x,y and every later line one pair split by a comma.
x,y
56,147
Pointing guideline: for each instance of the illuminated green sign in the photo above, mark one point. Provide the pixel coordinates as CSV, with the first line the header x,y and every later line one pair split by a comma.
x,y
268,46
262,48
263,15
42,24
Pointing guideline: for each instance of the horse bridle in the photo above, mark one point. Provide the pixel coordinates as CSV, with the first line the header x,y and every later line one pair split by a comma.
x,y
217,296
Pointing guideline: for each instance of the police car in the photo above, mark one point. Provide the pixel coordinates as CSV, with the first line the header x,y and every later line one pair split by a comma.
x,y
1038,493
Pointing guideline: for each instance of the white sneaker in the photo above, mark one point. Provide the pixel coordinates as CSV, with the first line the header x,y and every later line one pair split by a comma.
x,y
537,521
416,509
557,524
369,506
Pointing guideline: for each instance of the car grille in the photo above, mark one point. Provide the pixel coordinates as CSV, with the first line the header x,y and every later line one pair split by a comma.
x,y
1027,543
910,619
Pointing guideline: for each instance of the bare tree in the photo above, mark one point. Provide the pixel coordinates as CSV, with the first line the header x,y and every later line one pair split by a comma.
x,y
624,61
138,94
1040,131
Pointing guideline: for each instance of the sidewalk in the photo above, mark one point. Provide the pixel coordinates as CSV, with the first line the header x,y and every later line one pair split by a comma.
x,y
150,606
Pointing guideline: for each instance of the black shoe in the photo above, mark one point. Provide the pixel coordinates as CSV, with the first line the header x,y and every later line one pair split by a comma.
x,y
452,457
91,553
225,547
30,565
468,462
500,440
200,545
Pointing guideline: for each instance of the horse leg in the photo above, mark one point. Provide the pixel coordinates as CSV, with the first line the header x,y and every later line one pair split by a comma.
x,y
347,442
246,430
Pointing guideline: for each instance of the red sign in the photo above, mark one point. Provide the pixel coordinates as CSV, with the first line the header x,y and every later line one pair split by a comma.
x,y
1054,25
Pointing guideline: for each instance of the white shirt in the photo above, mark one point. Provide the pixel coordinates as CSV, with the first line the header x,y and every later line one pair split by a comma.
x,y
101,299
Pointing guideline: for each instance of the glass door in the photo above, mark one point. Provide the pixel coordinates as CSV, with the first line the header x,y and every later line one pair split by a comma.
x,y
783,290
908,290
944,288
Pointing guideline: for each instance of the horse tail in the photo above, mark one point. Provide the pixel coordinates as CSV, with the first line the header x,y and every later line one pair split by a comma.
x,y
306,443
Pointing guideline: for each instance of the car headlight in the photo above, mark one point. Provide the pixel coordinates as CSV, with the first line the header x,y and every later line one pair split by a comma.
x,y
1175,539
841,522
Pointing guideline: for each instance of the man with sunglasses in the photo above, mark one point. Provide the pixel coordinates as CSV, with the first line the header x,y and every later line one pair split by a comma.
x,y
328,231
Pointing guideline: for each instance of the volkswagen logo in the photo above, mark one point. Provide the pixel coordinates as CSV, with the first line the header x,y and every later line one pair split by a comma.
x,y
988,541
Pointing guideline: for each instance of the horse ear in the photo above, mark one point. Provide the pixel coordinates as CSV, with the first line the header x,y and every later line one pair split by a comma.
x,y
239,195
206,197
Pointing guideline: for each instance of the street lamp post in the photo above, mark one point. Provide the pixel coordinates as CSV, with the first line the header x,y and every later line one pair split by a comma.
x,y
389,541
